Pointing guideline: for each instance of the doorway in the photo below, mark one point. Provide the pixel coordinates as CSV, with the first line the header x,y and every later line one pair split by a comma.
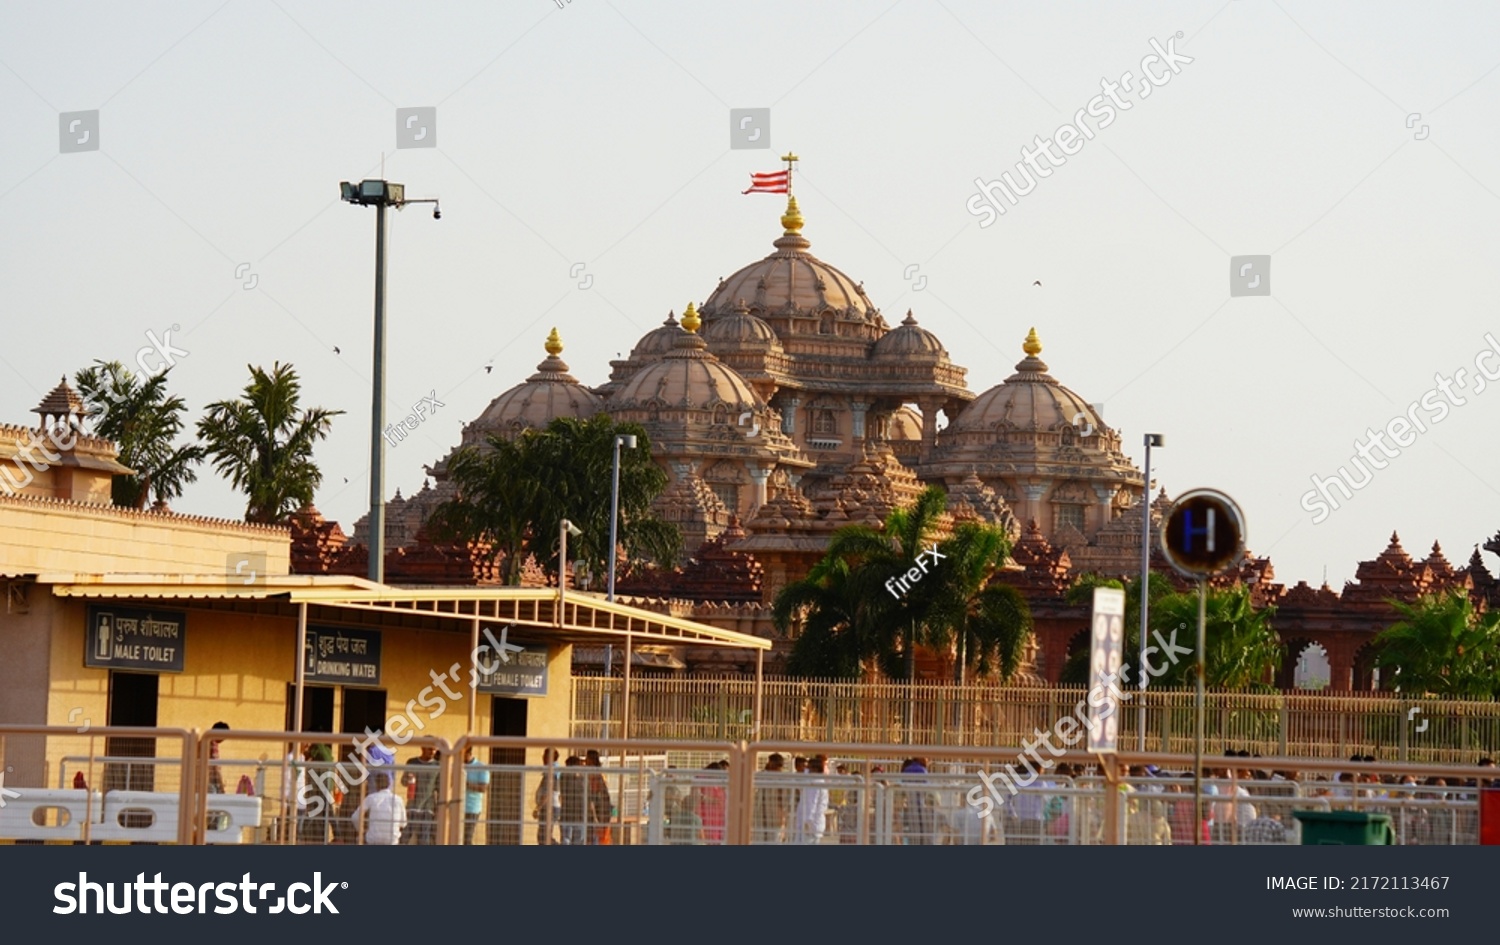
x,y
317,708
506,804
132,701
363,709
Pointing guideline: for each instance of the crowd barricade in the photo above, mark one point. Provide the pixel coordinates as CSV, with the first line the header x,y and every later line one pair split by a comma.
x,y
67,784
261,790
48,814
130,785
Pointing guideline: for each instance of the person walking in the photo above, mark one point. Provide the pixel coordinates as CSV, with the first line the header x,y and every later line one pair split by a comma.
x,y
812,805
547,802
476,784
918,823
773,804
601,805
423,784
575,802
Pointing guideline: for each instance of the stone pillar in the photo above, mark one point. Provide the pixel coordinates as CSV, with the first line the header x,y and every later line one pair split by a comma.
x,y
789,415
760,477
858,409
1106,496
1034,495
1340,664
929,407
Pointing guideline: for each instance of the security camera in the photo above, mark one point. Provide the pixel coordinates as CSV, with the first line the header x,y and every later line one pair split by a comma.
x,y
437,214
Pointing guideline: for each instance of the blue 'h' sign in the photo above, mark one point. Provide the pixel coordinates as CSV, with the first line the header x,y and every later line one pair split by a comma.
x,y
1188,531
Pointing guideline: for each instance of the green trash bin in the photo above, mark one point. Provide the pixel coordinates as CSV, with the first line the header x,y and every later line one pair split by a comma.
x,y
1345,828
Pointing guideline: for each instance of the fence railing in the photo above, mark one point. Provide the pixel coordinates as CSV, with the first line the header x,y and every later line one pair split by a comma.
x,y
686,793
1301,725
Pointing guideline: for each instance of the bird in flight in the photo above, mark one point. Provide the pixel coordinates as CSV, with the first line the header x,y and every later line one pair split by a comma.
x,y
488,368
1037,282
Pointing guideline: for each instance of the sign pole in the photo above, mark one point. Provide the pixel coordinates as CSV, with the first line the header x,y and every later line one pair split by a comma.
x,y
1198,733
1203,535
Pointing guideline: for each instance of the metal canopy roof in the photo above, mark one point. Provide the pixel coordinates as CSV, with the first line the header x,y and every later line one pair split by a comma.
x,y
534,612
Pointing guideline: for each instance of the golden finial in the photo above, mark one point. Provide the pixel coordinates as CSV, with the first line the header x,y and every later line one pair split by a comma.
x,y
1033,344
690,320
792,219
554,343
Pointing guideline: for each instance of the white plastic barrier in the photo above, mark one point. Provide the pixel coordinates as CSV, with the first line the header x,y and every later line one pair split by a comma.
x,y
19,816
229,815
139,816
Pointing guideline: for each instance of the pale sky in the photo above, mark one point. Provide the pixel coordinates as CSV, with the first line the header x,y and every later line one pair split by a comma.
x,y
598,133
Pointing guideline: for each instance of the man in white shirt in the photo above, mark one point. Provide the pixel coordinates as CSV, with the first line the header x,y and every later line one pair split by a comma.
x,y
382,813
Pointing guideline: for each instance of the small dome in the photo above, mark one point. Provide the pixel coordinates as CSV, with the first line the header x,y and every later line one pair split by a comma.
x,y
910,341
740,331
544,396
904,424
657,341
687,376
1028,399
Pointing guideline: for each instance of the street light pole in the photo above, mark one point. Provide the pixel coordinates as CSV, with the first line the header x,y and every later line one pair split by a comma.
x,y
1152,439
377,411
379,194
628,441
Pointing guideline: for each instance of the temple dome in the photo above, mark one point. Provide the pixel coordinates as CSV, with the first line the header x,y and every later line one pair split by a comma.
x,y
544,396
658,341
791,281
910,341
740,331
1030,399
687,376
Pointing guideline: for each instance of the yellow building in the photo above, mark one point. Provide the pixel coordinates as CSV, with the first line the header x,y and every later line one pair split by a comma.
x,y
120,617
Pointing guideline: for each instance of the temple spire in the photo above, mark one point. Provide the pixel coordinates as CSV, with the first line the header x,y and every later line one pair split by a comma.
x,y
1032,345
791,221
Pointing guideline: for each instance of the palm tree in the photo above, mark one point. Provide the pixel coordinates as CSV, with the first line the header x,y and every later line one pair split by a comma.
x,y
986,623
264,443
870,622
1443,647
500,500
1242,649
841,612
136,413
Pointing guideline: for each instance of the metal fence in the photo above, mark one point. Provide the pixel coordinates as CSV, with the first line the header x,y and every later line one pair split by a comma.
x,y
690,793
1284,724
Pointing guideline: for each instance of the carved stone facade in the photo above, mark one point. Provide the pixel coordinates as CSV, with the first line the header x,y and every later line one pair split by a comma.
x,y
786,402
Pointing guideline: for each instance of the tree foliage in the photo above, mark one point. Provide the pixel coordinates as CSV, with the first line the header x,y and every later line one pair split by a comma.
x,y
1243,651
851,618
1442,646
264,443
513,494
144,423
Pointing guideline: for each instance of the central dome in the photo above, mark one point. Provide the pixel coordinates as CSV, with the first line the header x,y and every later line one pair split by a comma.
x,y
792,282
